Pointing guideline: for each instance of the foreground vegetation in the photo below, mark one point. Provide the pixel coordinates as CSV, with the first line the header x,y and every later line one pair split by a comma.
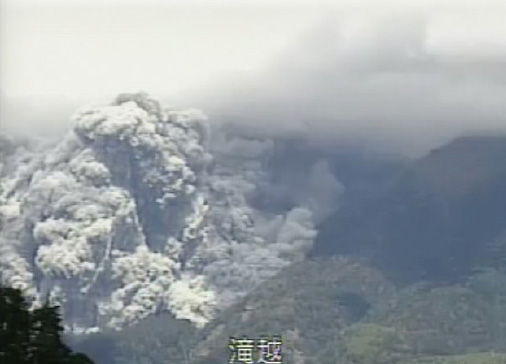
x,y
32,336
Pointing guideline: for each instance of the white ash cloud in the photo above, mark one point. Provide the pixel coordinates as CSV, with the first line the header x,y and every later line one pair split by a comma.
x,y
140,209
396,79
405,76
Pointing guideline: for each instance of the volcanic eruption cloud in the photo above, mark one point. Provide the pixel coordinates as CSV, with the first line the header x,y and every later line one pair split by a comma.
x,y
138,211
143,208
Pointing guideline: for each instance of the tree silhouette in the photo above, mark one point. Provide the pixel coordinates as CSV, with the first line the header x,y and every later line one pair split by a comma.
x,y
32,336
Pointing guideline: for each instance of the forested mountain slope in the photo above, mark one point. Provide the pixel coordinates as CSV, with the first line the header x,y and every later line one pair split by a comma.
x,y
338,311
442,216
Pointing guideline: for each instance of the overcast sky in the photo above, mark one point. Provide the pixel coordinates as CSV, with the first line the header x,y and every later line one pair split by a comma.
x,y
340,65
85,48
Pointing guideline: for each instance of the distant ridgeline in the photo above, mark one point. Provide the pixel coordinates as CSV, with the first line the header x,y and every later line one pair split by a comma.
x,y
439,218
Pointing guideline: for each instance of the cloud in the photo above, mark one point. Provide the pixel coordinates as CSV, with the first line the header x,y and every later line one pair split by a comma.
x,y
135,211
402,75
395,79
323,191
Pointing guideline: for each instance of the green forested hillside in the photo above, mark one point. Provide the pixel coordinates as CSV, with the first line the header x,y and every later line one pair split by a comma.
x,y
341,311
440,217
338,311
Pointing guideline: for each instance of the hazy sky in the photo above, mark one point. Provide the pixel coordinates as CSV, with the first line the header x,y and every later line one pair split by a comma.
x,y
382,66
55,48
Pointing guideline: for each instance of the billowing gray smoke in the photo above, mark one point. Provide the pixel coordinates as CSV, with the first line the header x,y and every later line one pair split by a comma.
x,y
141,209
395,81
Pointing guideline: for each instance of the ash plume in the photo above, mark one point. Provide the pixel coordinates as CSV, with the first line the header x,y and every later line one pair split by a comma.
x,y
142,208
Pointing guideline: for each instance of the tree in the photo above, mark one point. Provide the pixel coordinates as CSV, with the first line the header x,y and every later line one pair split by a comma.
x,y
14,327
32,336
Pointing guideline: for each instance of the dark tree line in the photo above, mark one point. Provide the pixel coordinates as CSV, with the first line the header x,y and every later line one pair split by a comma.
x,y
32,336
